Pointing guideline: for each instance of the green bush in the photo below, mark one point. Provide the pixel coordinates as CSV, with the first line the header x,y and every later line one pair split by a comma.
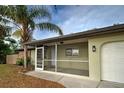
x,y
29,61
20,61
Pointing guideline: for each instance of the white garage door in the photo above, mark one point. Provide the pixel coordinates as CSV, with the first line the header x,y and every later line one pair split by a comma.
x,y
112,65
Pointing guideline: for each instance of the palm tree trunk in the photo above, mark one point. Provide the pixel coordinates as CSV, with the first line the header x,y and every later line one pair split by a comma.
x,y
25,56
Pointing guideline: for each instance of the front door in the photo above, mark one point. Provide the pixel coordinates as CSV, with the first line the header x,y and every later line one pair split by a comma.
x,y
39,58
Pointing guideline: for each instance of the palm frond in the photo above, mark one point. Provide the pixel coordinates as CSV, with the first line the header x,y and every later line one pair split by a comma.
x,y
3,10
17,33
11,40
31,25
29,36
50,27
4,20
8,11
39,12
8,14
5,30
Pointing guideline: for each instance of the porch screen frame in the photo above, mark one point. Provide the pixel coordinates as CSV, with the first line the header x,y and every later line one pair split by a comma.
x,y
36,68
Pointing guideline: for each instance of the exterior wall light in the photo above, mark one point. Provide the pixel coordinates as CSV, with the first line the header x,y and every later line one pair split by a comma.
x,y
94,48
61,42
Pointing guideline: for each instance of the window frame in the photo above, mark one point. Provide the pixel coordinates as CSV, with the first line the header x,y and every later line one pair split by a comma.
x,y
66,51
71,50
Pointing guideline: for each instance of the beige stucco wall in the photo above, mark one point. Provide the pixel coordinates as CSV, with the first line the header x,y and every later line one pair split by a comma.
x,y
21,54
83,56
95,57
11,59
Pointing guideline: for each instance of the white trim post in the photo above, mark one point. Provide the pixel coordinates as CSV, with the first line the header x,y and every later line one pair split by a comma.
x,y
25,56
55,57
43,58
35,57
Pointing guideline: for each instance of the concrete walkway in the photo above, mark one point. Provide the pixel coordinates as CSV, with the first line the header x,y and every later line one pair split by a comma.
x,y
109,84
74,81
69,81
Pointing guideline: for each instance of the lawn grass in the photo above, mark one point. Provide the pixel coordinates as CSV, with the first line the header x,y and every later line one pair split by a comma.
x,y
11,77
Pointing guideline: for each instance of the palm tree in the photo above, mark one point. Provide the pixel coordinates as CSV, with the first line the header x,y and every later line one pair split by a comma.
x,y
12,42
4,31
24,18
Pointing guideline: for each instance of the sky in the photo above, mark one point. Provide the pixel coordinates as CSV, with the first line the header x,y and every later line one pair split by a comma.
x,y
75,18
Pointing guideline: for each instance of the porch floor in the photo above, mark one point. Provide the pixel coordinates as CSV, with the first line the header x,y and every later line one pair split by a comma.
x,y
69,71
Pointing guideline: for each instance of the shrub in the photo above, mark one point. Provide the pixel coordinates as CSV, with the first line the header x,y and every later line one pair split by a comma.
x,y
28,61
20,61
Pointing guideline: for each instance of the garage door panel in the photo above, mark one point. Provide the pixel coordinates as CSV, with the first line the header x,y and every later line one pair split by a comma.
x,y
112,62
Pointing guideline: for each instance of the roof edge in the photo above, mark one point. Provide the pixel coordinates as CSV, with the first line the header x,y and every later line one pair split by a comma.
x,y
103,30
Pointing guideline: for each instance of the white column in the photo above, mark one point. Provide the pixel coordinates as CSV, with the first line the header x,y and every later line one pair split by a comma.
x,y
55,57
25,56
35,57
43,57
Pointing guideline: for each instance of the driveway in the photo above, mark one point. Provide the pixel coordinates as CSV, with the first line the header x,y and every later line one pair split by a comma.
x,y
73,81
109,84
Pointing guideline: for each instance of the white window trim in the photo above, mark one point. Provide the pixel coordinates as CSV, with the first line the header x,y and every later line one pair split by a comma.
x,y
72,52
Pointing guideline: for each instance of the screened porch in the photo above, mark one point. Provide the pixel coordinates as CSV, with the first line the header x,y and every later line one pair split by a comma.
x,y
71,58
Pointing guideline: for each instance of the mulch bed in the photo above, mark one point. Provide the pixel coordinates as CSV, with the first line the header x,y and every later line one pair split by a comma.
x,y
11,76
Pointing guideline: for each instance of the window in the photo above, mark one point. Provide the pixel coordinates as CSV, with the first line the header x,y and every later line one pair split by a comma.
x,y
69,52
72,52
75,52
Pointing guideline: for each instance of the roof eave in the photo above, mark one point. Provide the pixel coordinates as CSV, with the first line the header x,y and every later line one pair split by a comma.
x,y
89,33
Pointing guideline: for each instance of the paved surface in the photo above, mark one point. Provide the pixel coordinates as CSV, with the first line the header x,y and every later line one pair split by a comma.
x,y
109,84
71,81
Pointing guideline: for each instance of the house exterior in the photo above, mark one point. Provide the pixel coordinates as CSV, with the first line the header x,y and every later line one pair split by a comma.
x,y
96,54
